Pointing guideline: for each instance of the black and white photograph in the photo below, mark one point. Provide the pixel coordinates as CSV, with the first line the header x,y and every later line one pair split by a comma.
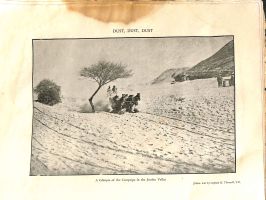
x,y
133,106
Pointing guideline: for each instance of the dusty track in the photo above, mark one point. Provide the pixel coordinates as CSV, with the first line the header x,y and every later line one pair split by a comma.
x,y
66,143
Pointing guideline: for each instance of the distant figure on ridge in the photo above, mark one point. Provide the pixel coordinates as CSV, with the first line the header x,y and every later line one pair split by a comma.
x,y
109,92
232,81
114,90
219,80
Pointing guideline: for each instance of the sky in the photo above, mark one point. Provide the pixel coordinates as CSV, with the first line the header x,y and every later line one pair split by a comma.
x,y
61,60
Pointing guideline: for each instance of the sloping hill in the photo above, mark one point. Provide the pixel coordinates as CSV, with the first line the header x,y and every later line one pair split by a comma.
x,y
168,75
169,135
221,62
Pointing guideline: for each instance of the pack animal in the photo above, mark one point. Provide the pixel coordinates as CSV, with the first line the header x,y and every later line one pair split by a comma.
x,y
127,103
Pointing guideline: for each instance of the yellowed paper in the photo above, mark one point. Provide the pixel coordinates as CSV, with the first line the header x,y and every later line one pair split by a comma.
x,y
25,25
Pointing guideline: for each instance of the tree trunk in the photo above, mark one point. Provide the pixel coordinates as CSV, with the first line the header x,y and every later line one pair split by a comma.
x,y
91,98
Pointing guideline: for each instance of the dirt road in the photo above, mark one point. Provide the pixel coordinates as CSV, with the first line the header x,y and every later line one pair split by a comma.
x,y
66,143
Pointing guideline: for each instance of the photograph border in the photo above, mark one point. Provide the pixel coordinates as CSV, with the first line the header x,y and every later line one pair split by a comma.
x,y
103,38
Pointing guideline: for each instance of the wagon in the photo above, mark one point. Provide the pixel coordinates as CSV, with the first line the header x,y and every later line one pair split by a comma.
x,y
127,103
226,81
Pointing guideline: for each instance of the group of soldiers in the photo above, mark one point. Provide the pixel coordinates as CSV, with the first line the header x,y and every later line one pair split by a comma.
x,y
125,103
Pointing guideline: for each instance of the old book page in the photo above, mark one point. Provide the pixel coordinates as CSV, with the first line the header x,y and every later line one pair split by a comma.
x,y
132,100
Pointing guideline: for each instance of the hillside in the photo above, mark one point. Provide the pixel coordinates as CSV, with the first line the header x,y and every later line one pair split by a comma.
x,y
168,75
221,62
186,128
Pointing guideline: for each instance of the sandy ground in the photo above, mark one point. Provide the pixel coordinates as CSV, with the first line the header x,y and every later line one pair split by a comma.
x,y
182,128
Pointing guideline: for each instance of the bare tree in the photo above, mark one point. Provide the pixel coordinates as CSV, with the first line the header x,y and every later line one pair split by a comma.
x,y
103,73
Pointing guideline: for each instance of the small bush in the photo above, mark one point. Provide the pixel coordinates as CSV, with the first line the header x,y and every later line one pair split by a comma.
x,y
48,92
